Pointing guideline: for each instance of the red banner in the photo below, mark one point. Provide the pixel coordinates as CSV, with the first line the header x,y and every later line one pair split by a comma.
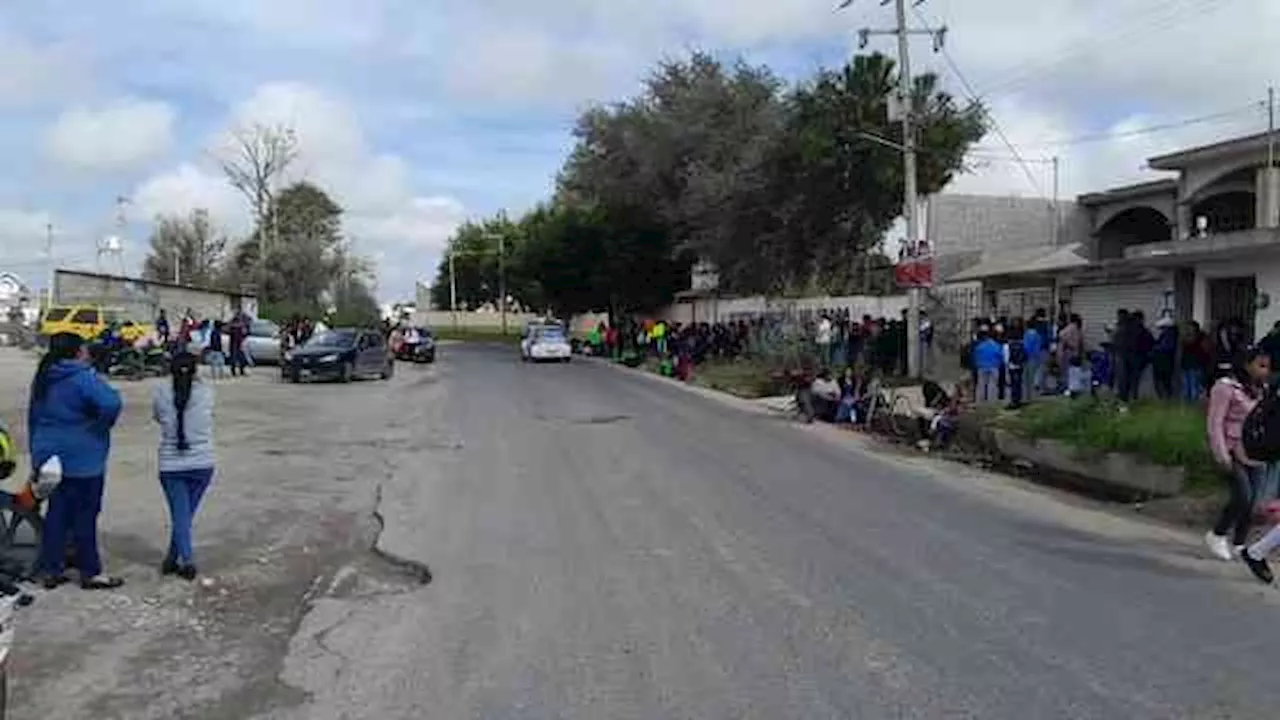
x,y
914,273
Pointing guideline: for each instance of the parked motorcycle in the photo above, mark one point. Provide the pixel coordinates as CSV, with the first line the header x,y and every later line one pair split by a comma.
x,y
130,363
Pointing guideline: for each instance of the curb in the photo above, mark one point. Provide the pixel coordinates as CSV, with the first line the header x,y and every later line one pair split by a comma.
x,y
719,396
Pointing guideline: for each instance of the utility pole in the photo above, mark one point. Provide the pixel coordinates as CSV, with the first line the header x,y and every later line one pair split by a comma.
x,y
1268,206
453,290
1057,214
1271,127
177,266
910,201
48,251
502,279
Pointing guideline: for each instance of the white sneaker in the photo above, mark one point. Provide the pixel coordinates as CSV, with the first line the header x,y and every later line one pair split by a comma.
x,y
1218,546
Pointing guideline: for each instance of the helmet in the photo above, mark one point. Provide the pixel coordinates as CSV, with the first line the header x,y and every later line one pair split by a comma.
x,y
8,456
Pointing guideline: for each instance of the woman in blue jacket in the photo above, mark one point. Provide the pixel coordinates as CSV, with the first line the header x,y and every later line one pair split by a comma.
x,y
70,417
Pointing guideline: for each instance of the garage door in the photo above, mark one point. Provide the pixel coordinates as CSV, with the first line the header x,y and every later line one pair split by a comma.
x,y
1097,305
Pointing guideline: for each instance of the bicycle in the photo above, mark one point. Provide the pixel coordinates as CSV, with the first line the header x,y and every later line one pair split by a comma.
x,y
888,411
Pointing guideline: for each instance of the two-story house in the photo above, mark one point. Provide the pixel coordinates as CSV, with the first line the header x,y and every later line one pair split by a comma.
x,y
1203,242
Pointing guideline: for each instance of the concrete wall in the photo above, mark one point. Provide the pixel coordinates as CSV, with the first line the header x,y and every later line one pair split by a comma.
x,y
964,228
726,309
142,300
473,320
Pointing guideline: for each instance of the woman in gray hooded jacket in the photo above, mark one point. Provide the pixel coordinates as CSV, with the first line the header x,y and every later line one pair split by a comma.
x,y
184,410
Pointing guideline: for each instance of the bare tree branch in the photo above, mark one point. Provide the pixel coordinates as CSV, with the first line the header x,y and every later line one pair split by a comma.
x,y
260,156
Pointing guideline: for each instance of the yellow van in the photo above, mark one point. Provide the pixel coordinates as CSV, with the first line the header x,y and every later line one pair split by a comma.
x,y
88,321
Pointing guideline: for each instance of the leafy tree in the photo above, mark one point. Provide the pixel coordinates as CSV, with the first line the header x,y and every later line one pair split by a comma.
x,y
305,260
838,174
187,249
480,252
783,190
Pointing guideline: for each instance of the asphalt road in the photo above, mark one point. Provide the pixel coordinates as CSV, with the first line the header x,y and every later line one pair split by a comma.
x,y
605,545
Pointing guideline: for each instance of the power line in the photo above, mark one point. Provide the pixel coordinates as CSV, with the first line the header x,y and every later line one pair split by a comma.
x,y
1168,14
1150,129
973,97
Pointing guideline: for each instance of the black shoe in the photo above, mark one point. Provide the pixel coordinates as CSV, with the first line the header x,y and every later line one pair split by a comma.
x,y
1259,568
187,572
169,566
51,582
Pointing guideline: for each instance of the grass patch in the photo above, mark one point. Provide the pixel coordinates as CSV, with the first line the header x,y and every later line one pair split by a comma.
x,y
1170,434
744,378
463,334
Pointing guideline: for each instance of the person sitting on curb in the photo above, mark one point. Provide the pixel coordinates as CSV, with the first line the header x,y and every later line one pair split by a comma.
x,y
826,396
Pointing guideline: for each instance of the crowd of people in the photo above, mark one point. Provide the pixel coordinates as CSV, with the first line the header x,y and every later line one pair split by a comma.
x,y
1017,359
830,339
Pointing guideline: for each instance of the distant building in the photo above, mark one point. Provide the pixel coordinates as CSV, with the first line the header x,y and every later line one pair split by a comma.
x,y
15,299
142,299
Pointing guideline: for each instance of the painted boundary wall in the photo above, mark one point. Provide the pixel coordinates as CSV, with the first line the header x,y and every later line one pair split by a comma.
x,y
713,310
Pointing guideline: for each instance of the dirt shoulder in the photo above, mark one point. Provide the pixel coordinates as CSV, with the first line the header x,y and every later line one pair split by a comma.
x,y
289,520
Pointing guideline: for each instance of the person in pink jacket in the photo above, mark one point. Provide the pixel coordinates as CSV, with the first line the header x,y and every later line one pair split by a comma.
x,y
1232,398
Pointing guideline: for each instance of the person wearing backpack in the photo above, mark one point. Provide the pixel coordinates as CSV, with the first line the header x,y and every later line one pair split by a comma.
x,y
1229,424
1261,439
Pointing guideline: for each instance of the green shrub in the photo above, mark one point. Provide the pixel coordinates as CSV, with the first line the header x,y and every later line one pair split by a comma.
x,y
1163,433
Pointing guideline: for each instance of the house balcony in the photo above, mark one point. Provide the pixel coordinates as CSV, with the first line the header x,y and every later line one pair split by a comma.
x,y
1226,245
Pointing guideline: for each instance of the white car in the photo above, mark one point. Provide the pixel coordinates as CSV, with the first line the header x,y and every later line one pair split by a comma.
x,y
545,343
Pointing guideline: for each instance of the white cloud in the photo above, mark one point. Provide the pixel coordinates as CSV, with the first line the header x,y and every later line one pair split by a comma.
x,y
188,187
516,67
384,214
34,74
117,136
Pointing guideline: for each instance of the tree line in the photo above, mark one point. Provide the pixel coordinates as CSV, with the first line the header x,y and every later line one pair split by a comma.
x,y
783,188
295,258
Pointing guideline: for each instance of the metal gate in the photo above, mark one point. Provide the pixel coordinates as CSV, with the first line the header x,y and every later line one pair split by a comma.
x,y
1234,298
1023,302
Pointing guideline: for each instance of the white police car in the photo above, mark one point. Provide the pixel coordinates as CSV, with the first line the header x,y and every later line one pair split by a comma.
x,y
545,343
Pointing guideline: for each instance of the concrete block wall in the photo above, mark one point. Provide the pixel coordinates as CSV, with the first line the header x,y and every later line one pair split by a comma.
x,y
965,229
142,300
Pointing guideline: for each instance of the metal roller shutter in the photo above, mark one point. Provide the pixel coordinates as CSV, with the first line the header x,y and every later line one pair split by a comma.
x,y
1097,304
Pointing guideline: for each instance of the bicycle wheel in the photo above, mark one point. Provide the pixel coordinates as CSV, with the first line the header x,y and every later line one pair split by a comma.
x,y
901,416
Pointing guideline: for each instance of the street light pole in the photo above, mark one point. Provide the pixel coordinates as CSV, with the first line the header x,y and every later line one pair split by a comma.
x,y
502,280
453,292
48,251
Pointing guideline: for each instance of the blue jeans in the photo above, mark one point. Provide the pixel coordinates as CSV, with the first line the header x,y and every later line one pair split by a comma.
x,y
988,389
1192,385
183,490
73,510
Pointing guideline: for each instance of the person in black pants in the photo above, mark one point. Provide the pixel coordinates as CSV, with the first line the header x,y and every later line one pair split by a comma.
x,y
238,329
1231,400
1015,361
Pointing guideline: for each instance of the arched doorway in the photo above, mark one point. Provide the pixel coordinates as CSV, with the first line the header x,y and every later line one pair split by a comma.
x,y
1136,226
